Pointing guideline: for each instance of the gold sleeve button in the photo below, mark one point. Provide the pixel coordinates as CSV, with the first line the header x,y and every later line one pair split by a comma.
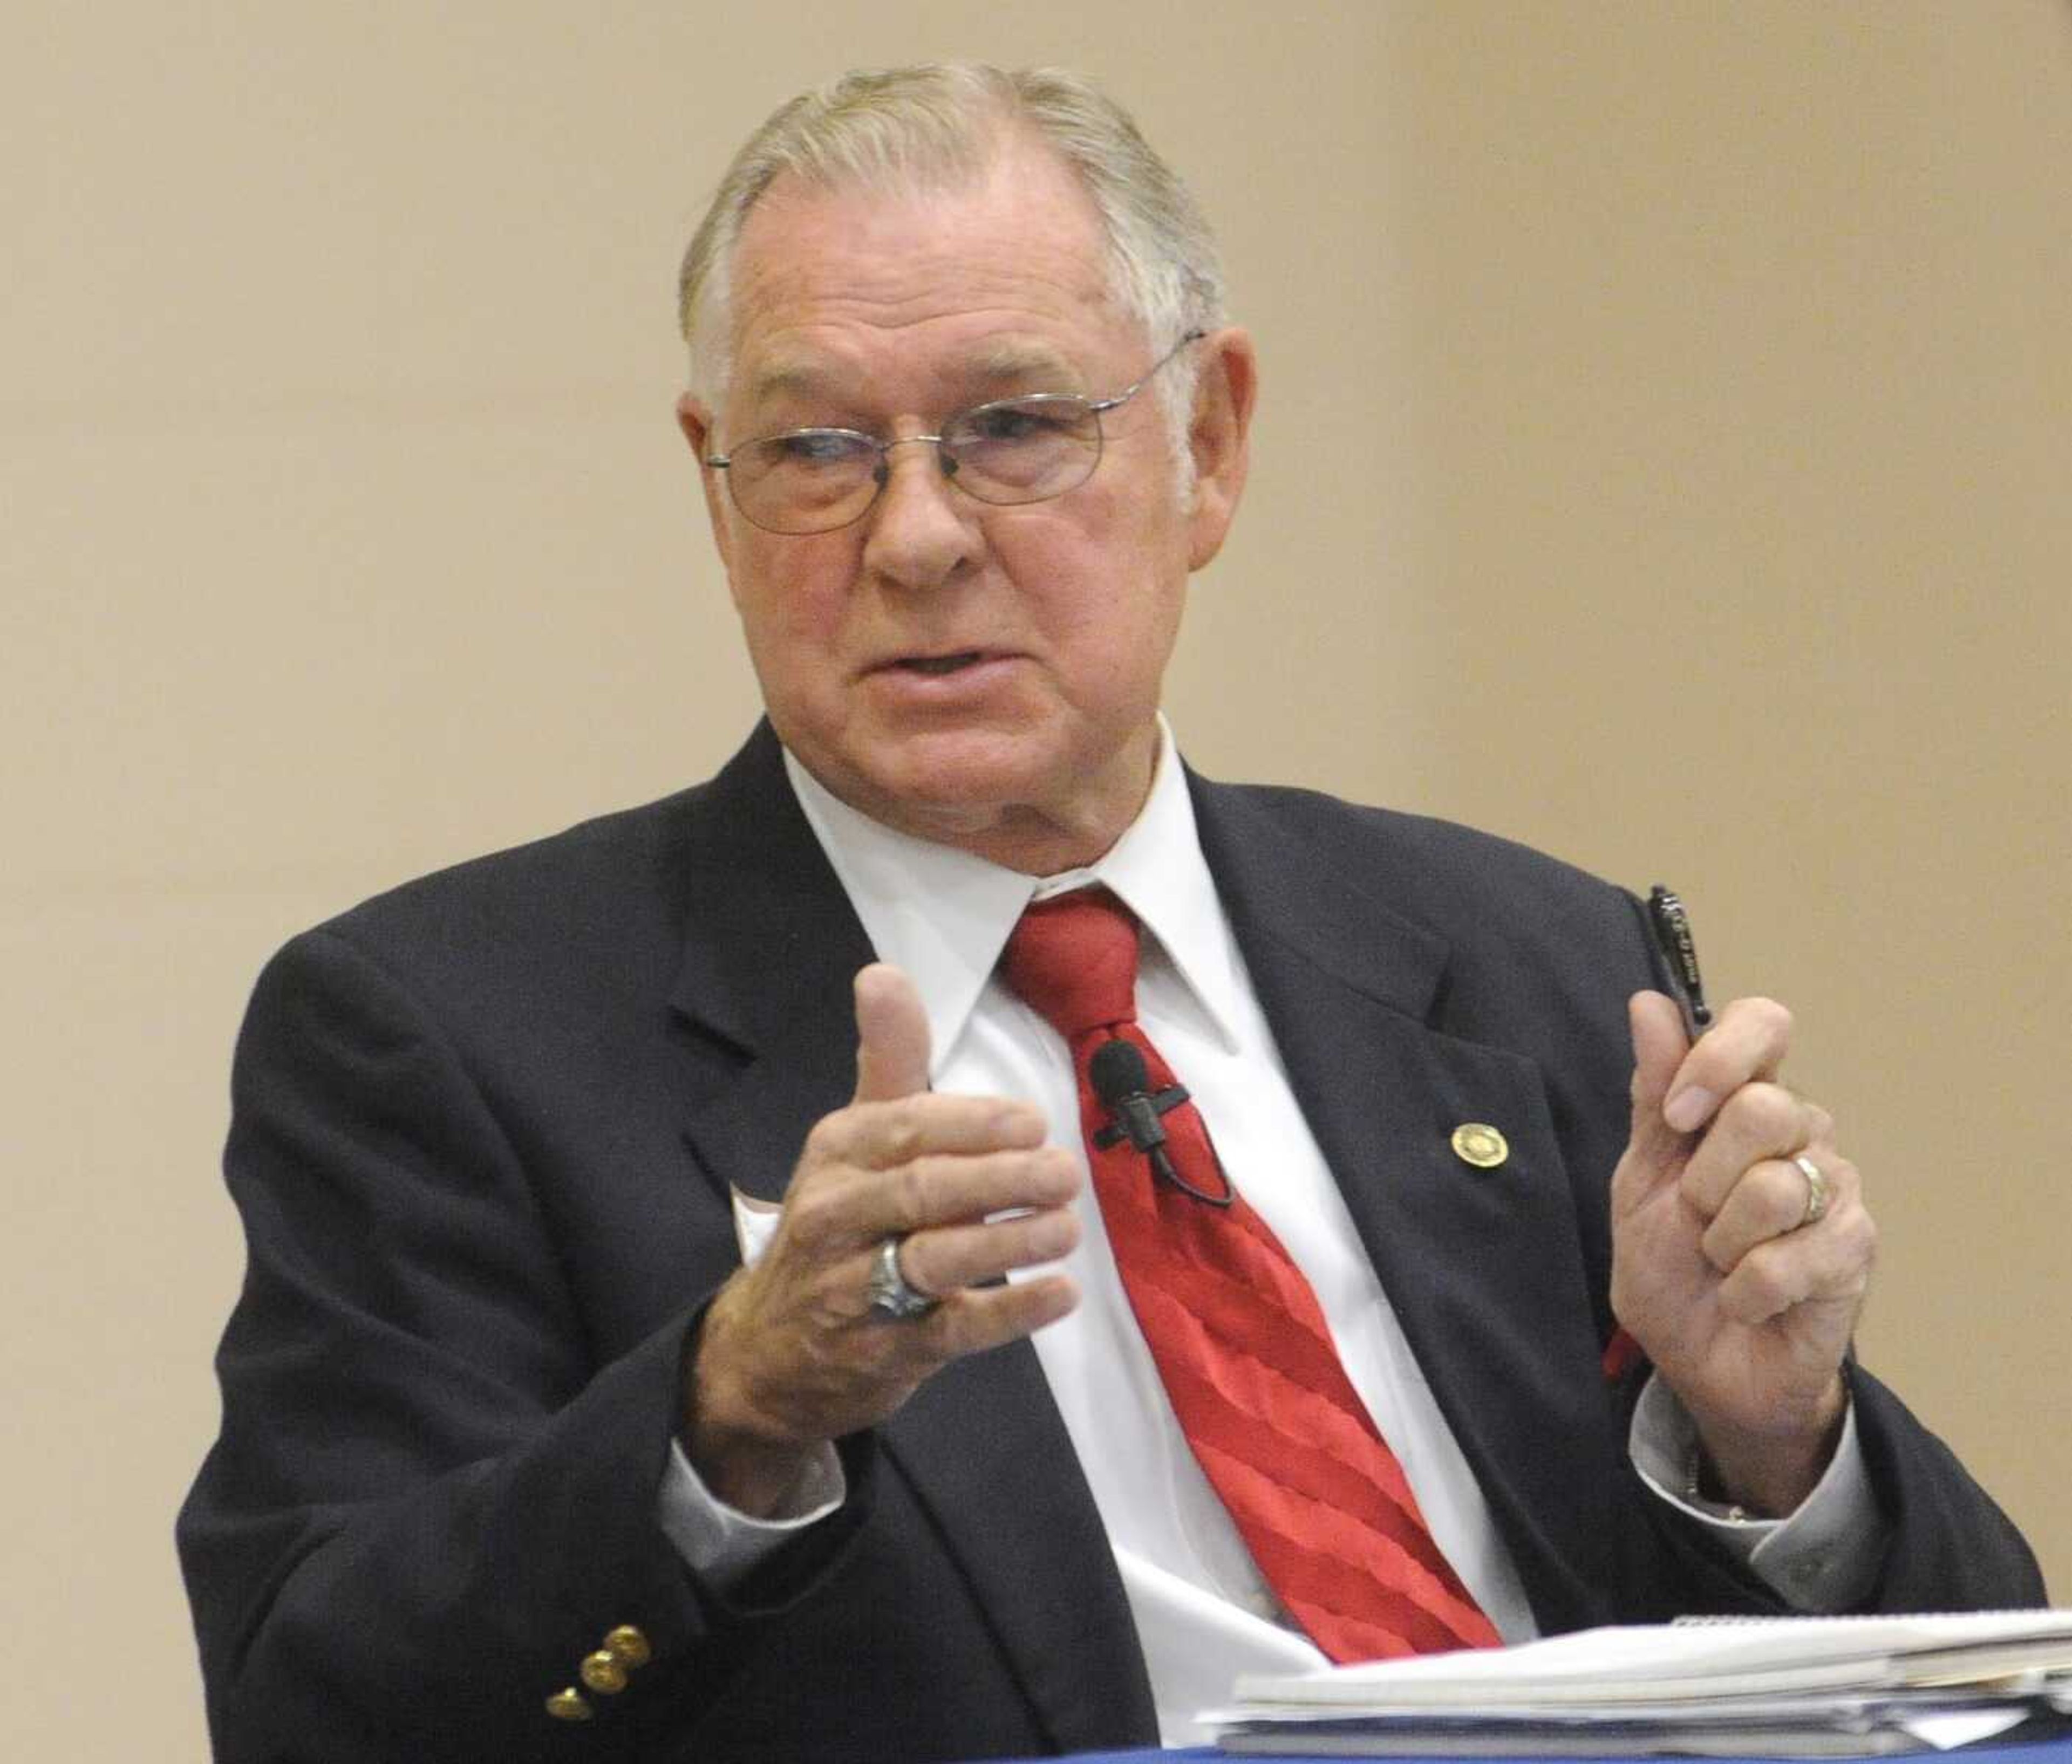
x,y
604,1673
568,1706
629,1644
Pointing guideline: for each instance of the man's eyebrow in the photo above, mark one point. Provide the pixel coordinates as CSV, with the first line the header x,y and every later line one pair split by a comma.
x,y
1006,361
1011,358
783,379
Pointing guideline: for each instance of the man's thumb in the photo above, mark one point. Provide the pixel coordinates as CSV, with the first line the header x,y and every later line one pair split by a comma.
x,y
891,1035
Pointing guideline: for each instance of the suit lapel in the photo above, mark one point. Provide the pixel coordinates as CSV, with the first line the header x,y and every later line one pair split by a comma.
x,y
1483,1267
769,951
770,947
985,1450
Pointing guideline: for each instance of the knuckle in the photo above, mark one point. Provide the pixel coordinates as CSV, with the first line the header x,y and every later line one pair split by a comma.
x,y
1764,1113
1696,1193
910,1190
1778,1110
944,1334
810,1212
916,1262
1859,1238
1757,1206
1717,1247
901,1138
1738,1114
1746,1305
827,1140
1761,1285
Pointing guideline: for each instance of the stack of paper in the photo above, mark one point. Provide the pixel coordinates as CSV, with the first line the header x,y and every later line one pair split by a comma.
x,y
1805,1687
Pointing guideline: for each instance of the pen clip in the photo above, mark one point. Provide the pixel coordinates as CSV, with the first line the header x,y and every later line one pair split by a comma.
x,y
1671,925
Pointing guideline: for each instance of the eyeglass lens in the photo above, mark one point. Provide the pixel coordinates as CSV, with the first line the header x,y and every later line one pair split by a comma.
x,y
1016,450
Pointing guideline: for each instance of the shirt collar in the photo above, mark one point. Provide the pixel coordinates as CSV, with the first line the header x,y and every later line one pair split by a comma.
x,y
944,915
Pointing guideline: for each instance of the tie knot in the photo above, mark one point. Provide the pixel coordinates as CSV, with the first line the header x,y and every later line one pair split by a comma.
x,y
1073,960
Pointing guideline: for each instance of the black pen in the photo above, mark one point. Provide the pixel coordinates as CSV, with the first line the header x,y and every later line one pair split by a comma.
x,y
1672,933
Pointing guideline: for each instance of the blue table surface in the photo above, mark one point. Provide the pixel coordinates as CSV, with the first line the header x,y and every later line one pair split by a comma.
x,y
2054,1750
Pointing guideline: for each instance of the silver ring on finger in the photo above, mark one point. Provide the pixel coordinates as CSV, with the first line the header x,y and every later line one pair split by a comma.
x,y
890,1294
1819,1193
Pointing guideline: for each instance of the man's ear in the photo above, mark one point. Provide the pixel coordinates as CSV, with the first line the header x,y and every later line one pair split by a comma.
x,y
695,422
1226,386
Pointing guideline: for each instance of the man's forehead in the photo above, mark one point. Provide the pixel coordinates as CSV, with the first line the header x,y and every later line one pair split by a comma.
x,y
1003,274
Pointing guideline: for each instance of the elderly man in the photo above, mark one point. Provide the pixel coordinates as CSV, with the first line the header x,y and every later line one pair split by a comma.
x,y
956,1235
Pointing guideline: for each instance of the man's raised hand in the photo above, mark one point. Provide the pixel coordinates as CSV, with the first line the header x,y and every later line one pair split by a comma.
x,y
790,1355
1744,1304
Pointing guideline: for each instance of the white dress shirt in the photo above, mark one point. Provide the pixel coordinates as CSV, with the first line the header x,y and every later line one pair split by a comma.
x,y
1202,1611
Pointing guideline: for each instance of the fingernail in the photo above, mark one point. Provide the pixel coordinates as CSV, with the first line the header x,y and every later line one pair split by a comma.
x,y
1688,1107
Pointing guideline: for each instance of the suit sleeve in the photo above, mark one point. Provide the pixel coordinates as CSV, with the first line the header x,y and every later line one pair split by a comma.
x,y
428,1504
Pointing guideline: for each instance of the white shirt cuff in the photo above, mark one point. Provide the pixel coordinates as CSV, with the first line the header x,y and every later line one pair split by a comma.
x,y
1824,1557
721,1543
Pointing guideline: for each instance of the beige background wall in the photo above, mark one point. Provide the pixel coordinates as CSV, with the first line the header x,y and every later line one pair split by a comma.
x,y
1667,415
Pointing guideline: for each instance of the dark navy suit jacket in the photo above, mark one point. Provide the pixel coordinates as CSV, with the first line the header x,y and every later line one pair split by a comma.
x,y
485,1128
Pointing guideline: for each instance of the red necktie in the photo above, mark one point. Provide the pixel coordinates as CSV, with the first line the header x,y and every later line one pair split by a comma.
x,y
1239,1341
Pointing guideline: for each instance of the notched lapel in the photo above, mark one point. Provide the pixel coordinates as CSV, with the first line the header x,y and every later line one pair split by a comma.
x,y
762,994
748,1133
1484,1267
986,1452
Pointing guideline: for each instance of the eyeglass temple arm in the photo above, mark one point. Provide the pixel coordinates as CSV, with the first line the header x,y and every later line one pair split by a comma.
x,y
1101,406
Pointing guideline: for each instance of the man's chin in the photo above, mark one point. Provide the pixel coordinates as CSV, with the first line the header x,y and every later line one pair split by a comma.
x,y
987,797
946,802
962,790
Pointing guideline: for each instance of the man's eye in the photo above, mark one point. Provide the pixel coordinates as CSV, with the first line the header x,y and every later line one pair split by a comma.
x,y
994,424
814,447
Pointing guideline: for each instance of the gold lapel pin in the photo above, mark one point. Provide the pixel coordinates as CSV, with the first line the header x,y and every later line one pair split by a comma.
x,y
1476,1142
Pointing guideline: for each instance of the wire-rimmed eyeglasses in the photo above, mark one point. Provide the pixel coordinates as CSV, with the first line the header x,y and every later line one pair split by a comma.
x,y
1009,451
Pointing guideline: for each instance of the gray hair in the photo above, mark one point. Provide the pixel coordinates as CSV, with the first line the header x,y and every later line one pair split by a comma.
x,y
936,125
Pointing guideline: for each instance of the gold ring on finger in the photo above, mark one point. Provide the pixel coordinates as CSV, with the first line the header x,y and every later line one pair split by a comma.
x,y
1819,1193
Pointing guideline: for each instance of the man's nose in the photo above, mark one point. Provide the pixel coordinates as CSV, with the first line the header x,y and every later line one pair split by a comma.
x,y
922,528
